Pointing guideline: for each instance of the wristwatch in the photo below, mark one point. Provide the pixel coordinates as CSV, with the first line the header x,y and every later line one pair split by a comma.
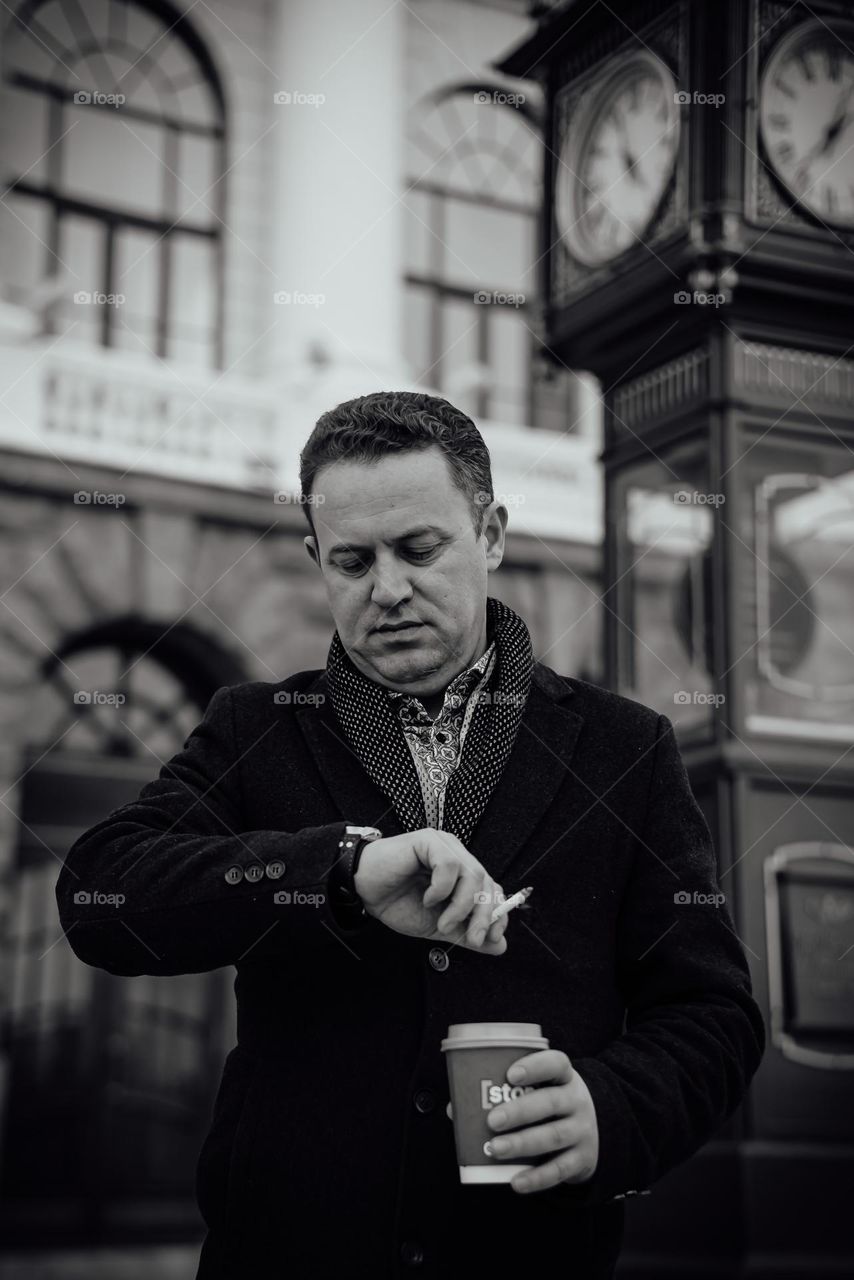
x,y
351,845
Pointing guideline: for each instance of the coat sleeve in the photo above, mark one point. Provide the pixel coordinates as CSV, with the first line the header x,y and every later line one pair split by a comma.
x,y
145,890
694,1036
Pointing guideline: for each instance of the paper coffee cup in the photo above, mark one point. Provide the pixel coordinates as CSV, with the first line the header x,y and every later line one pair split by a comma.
x,y
479,1055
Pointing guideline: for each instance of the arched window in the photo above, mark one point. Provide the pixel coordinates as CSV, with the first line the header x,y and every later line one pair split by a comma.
x,y
474,163
113,169
111,1079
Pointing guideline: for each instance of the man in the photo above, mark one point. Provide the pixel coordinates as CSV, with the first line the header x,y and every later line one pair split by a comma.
x,y
331,1150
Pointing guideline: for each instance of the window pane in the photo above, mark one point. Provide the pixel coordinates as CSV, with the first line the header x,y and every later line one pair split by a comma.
x,y
137,264
461,373
487,247
113,161
418,311
193,284
421,247
24,236
197,196
510,362
25,135
82,247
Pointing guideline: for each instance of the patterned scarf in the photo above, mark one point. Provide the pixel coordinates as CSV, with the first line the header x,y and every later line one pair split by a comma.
x,y
374,730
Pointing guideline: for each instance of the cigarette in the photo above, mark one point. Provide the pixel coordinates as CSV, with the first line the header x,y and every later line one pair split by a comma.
x,y
509,903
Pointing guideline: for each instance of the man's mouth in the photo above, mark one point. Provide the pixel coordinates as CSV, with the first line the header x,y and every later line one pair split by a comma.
x,y
397,626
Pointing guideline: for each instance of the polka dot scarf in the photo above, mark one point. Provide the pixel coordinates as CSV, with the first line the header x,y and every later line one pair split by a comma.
x,y
374,730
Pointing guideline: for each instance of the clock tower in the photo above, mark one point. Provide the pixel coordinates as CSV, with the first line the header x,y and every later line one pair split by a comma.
x,y
698,258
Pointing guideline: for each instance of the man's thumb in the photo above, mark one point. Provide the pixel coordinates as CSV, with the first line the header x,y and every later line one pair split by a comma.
x,y
449,1111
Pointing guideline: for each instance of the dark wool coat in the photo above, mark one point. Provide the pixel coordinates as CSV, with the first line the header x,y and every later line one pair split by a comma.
x,y
330,1152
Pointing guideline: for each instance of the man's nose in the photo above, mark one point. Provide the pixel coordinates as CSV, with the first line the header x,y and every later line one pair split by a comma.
x,y
391,584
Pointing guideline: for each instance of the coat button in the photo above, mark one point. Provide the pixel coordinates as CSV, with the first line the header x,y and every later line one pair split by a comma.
x,y
275,870
411,1253
439,959
424,1101
254,872
234,875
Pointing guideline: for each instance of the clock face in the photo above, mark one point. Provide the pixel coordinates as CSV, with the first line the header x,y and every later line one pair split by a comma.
x,y
617,160
806,117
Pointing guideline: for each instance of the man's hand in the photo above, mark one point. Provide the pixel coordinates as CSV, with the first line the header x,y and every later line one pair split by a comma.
x,y
567,1108
426,883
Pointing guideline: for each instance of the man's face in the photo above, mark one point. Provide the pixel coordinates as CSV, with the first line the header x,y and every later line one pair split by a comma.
x,y
395,543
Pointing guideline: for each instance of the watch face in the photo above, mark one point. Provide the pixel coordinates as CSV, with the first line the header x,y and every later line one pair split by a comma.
x,y
617,159
806,117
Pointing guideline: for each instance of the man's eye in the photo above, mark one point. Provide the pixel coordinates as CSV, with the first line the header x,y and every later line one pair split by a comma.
x,y
422,555
351,568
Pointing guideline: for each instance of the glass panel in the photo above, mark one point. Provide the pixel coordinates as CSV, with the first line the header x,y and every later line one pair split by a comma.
x,y
797,576
25,258
417,332
459,372
82,249
137,265
193,302
510,359
113,161
665,536
26,136
420,245
197,193
487,247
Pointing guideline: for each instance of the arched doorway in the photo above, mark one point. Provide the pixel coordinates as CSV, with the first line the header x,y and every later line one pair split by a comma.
x,y
110,1079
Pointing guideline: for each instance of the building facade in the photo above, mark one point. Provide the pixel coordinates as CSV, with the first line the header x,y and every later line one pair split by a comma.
x,y
219,220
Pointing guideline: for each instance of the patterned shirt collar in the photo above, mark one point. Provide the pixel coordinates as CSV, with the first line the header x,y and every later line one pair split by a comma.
x,y
463,685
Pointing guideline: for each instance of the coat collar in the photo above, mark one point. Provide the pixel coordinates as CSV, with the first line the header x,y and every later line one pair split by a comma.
x,y
538,763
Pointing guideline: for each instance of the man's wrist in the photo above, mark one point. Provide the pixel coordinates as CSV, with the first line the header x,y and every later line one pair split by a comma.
x,y
342,880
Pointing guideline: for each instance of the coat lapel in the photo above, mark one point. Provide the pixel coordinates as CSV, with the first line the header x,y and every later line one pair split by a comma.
x,y
537,766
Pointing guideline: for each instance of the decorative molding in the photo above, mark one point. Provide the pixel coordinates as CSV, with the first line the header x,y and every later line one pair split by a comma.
x,y
662,390
793,374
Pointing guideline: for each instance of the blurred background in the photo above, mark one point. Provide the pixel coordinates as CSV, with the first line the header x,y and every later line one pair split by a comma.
x,y
220,219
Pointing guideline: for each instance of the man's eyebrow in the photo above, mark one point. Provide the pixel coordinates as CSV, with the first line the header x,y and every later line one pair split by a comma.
x,y
404,537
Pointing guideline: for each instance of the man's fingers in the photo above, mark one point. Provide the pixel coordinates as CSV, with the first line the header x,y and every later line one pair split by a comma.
x,y
449,1111
460,906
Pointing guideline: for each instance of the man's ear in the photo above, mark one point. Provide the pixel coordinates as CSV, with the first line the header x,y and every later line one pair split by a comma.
x,y
310,544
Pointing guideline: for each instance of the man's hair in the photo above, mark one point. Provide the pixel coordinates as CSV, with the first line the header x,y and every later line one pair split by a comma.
x,y
384,422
